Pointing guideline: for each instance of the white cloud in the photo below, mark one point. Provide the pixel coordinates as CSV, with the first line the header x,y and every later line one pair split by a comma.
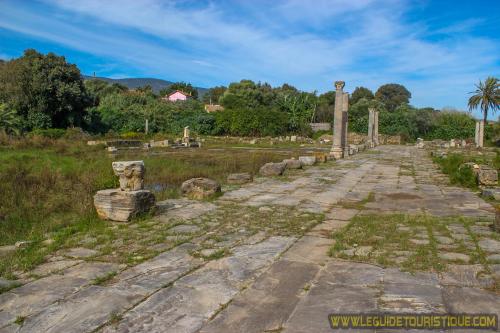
x,y
308,44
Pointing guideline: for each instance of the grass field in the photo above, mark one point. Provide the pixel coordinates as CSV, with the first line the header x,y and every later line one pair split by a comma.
x,y
47,186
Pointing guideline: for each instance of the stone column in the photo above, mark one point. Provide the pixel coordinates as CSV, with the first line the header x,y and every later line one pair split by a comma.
x,y
375,128
345,123
476,135
371,126
480,138
337,151
185,139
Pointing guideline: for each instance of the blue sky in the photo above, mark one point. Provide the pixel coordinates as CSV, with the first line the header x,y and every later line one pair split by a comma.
x,y
437,49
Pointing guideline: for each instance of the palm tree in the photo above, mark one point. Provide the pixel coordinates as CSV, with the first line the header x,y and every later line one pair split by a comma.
x,y
9,120
487,96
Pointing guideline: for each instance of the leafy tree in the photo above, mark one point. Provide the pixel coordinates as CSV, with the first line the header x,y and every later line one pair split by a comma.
x,y
452,125
326,107
127,112
44,89
186,88
486,96
248,94
393,95
213,95
10,122
425,119
359,93
300,107
146,90
97,89
259,121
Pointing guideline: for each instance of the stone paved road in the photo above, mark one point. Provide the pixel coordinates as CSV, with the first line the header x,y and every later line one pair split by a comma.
x,y
281,282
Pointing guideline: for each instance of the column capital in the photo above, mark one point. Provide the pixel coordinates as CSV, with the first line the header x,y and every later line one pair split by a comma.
x,y
339,85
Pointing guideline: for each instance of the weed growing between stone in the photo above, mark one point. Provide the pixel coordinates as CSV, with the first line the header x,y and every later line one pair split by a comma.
x,y
413,243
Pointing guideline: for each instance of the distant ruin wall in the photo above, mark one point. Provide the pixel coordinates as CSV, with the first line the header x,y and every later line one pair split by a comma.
x,y
321,127
358,138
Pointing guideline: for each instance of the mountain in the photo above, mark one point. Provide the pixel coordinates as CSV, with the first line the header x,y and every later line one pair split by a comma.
x,y
132,83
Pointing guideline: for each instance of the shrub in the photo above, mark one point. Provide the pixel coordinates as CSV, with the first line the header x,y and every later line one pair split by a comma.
x,y
452,165
51,133
251,122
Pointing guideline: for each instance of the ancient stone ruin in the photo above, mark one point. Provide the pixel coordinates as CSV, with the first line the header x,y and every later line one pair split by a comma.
x,y
339,117
200,188
130,199
479,134
187,141
372,139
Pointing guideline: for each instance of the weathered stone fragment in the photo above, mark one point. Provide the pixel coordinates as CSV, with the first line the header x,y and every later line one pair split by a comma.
x,y
131,175
272,169
307,160
491,193
200,188
487,176
292,163
118,205
239,178
321,157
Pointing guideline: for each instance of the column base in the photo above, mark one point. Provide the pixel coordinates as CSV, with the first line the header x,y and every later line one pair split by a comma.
x,y
337,153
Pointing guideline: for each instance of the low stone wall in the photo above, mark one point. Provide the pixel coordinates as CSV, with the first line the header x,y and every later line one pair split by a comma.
x,y
320,127
389,139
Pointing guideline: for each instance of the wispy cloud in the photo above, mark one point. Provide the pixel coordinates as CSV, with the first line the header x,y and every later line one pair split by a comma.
x,y
308,44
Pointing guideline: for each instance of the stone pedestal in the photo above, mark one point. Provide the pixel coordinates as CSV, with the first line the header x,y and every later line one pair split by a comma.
x,y
337,150
121,206
123,203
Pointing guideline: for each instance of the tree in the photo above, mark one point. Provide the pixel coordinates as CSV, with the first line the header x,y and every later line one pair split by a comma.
x,y
9,120
248,94
486,96
326,107
213,95
360,92
300,107
44,89
393,95
186,88
97,89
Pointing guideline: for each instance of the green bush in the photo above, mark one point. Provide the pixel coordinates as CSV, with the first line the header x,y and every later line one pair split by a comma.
x,y
452,165
51,133
251,122
452,125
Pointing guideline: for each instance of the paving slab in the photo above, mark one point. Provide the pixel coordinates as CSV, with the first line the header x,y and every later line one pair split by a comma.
x,y
37,295
268,303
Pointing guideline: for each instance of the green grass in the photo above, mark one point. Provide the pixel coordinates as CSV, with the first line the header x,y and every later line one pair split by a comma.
x,y
48,186
390,233
451,166
101,280
464,176
19,320
358,204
